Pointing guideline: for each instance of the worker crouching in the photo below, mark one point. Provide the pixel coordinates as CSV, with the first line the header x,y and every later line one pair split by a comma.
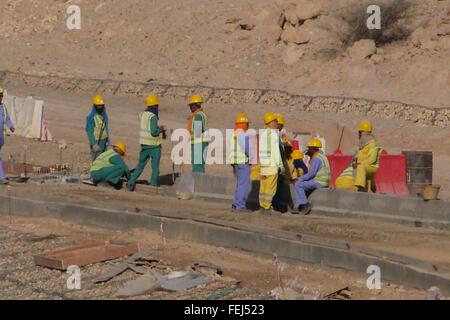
x,y
240,161
109,167
317,177
150,142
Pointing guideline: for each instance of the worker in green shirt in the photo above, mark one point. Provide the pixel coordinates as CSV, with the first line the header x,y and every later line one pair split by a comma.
x,y
109,167
97,127
150,142
198,130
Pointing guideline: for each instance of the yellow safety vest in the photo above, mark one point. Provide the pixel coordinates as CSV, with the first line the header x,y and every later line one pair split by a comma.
x,y
371,149
102,161
348,172
99,122
269,149
323,176
204,136
237,155
146,137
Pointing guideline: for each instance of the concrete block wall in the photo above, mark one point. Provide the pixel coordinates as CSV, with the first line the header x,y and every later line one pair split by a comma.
x,y
338,203
419,115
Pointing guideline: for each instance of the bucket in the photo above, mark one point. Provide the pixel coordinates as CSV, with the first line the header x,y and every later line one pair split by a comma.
x,y
431,192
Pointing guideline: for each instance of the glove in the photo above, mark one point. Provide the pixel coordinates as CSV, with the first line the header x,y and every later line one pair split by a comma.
x,y
96,148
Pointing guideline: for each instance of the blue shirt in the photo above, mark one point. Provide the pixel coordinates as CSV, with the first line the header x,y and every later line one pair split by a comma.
x,y
315,167
9,123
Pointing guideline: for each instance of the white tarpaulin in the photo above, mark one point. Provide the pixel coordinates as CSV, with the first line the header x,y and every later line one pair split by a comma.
x,y
27,114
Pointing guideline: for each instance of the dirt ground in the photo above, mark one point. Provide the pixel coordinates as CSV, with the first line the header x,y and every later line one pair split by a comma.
x,y
190,42
222,44
422,243
21,279
66,114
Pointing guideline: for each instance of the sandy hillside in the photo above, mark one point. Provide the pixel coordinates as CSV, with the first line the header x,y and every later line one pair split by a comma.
x,y
237,43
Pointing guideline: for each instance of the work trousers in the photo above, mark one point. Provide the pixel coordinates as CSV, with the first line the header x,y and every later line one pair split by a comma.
x,y
301,189
111,174
242,174
365,177
198,156
2,173
153,154
267,190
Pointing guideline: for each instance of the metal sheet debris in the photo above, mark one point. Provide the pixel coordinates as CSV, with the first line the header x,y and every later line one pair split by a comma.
x,y
129,263
85,254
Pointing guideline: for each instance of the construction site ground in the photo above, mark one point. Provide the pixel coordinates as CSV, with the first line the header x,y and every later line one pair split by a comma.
x,y
66,113
22,238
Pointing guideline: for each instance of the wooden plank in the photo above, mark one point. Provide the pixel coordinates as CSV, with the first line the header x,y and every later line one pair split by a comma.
x,y
85,254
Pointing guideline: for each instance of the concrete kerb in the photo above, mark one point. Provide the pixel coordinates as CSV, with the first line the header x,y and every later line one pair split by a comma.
x,y
254,239
337,203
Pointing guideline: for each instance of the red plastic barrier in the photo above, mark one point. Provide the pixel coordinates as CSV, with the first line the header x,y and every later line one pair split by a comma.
x,y
390,178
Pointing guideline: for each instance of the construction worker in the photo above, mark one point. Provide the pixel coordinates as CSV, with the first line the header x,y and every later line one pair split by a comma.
x,y
198,130
318,176
299,166
271,164
367,158
150,142
5,123
285,144
240,161
109,167
283,134
97,127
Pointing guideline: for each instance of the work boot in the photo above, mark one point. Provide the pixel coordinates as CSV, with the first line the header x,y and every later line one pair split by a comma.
x,y
131,187
302,209
4,181
245,210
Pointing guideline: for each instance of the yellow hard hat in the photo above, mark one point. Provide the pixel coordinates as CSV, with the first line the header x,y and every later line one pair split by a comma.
x,y
152,101
196,99
242,118
297,155
365,126
1,90
98,100
121,146
269,117
280,118
315,143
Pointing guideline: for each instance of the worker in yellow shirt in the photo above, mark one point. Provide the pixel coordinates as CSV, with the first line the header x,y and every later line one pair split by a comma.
x,y
367,158
271,163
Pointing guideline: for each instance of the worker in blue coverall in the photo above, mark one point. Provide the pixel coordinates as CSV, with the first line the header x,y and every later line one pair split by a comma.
x,y
240,161
109,167
150,142
317,177
97,127
5,123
